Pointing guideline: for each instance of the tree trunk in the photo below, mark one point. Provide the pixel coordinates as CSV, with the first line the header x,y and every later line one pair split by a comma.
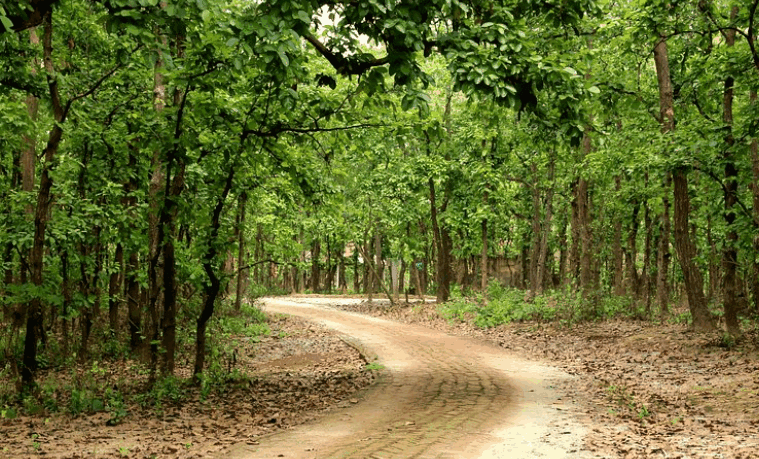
x,y
342,278
155,208
484,254
647,277
242,271
575,249
535,232
173,190
36,256
730,287
545,232
367,264
563,252
114,288
316,249
356,275
631,255
755,189
686,251
442,243
378,264
663,253
617,254
213,287
714,285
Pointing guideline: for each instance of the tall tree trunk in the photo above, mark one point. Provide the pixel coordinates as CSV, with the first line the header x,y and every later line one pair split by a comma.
x,y
316,248
617,254
242,271
114,288
563,252
714,285
575,248
367,281
647,277
484,253
342,278
442,243
378,264
356,275
545,231
730,287
663,253
34,314
168,231
131,284
535,232
213,287
155,231
686,251
755,189
631,254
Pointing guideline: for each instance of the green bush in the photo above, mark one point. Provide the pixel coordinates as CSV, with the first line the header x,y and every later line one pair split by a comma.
x,y
506,304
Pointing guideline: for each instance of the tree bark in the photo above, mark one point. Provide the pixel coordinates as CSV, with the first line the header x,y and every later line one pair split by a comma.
x,y
442,243
664,255
242,273
631,254
213,287
114,288
575,248
36,256
686,251
617,254
545,232
316,249
730,287
484,253
647,278
754,147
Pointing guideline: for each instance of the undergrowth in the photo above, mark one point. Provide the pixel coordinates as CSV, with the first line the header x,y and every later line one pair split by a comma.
x,y
503,305
116,382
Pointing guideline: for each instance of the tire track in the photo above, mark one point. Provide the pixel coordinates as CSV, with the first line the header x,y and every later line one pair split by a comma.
x,y
441,397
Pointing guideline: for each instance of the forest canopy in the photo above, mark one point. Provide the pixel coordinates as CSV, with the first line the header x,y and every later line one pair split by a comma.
x,y
161,157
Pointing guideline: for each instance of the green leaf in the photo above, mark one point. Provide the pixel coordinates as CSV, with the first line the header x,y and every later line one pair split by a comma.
x,y
570,70
283,58
304,17
6,22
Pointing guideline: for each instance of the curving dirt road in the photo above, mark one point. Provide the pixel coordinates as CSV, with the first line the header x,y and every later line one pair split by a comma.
x,y
441,397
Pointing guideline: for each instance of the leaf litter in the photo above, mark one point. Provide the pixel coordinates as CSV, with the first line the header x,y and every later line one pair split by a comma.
x,y
298,372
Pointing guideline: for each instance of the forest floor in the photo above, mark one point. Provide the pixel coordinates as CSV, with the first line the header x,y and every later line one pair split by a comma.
x,y
298,372
640,390
647,390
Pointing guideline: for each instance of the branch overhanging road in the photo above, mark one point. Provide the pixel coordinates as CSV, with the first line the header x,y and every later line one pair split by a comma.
x,y
441,396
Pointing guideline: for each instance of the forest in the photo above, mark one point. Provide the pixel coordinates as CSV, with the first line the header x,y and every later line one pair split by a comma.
x,y
164,163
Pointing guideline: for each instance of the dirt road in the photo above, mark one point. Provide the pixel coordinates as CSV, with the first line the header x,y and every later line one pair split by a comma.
x,y
440,397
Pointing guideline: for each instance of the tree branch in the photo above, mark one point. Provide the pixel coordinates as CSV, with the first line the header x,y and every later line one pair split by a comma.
x,y
746,211
752,34
344,66
279,129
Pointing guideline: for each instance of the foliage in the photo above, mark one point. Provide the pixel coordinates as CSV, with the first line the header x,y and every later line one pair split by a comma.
x,y
506,305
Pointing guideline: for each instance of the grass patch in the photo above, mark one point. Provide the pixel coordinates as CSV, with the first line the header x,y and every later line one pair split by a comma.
x,y
506,305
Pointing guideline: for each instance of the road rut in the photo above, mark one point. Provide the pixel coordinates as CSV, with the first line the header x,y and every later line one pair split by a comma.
x,y
441,396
